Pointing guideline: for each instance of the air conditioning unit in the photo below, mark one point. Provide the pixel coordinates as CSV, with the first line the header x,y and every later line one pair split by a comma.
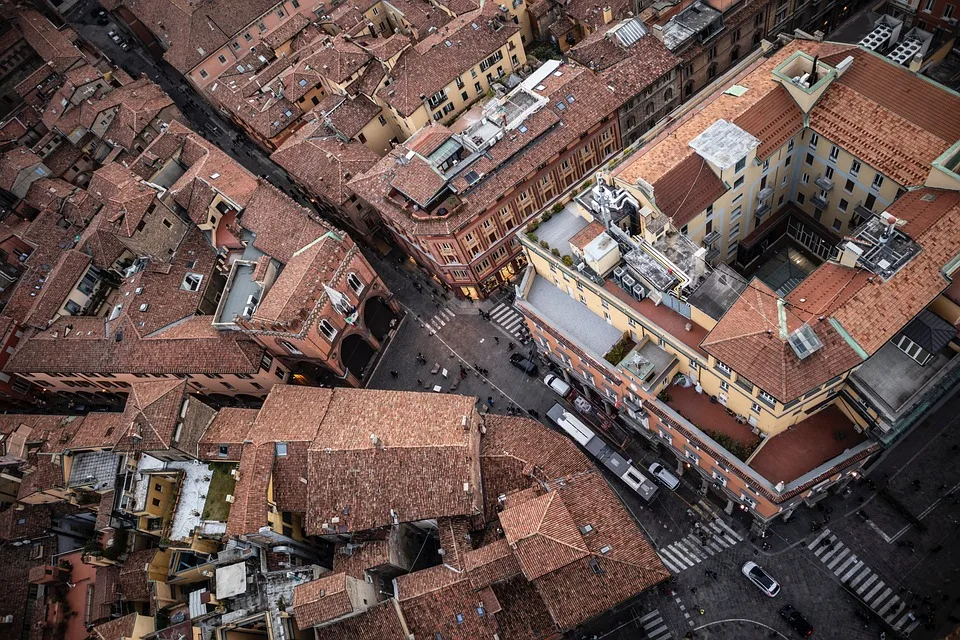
x,y
229,498
628,282
618,274
247,312
638,291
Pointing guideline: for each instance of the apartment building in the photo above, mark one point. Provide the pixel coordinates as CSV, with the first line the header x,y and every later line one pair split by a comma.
x,y
636,64
190,268
453,201
736,372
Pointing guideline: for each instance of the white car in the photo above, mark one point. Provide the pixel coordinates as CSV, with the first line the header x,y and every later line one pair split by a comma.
x,y
559,386
761,578
666,478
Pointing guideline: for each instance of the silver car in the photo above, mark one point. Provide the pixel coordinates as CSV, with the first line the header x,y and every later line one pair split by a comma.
x,y
666,478
761,578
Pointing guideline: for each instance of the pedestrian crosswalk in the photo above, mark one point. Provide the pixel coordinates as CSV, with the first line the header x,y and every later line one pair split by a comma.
x,y
861,579
437,322
695,548
654,626
507,317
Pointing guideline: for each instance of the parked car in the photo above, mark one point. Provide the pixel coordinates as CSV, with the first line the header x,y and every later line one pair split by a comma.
x,y
525,365
559,386
103,20
796,620
761,578
666,478
125,46
115,36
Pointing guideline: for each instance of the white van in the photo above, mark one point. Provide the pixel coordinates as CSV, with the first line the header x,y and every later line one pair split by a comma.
x,y
559,386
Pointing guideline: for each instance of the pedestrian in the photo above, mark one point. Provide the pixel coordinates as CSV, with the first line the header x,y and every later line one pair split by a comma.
x,y
394,374
490,401
496,339
693,590
419,382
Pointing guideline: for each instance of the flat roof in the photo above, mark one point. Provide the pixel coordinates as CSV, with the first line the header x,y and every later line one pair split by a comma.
x,y
231,580
572,318
559,229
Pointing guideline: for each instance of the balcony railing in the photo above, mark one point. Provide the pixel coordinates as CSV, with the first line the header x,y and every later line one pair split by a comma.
x,y
824,183
818,201
765,193
763,209
711,237
712,254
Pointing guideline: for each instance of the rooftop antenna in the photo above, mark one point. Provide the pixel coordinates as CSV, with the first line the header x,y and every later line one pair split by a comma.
x,y
813,72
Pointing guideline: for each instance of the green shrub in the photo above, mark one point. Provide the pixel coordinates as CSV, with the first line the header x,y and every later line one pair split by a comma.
x,y
620,350
544,244
533,237
546,215
567,260
557,208
555,252
737,448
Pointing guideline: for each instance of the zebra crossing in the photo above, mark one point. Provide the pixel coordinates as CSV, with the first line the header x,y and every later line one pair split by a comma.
x,y
869,587
508,318
654,626
692,550
439,320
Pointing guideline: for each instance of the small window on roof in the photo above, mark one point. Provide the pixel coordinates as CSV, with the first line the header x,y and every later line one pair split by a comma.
x,y
571,99
459,618
561,106
303,82
281,448
191,282
474,25
223,451
448,43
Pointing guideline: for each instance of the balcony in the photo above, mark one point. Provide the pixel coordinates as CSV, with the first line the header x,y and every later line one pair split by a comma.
x,y
823,182
765,194
818,201
711,237
763,210
712,255
713,419
862,211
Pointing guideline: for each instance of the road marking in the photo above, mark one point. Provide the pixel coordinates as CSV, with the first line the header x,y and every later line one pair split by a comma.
x,y
883,595
843,566
652,614
449,313
866,585
856,567
909,629
873,591
896,611
677,558
948,494
817,540
669,564
838,558
733,533
823,547
892,601
834,546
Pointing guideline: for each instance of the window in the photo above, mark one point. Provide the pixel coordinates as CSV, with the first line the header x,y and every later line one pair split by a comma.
x,y
724,385
327,329
280,13
814,139
786,163
948,12
156,502
747,500
805,178
719,477
73,308
809,159
837,224
735,214
354,282
755,407
801,198
479,89
738,183
848,187
691,456
222,58
734,231
767,399
870,201
741,163
834,153
843,204
877,182
281,449
928,6
913,350
247,37
191,282
828,173
203,73
724,369
158,487
790,146
290,348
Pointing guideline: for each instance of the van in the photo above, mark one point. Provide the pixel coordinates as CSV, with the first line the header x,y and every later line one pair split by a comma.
x,y
558,385
666,478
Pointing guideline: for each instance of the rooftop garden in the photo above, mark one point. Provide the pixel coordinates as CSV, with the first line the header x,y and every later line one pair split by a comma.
x,y
222,484
620,350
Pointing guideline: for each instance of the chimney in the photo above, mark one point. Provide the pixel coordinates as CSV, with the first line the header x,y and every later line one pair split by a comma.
x,y
607,15
850,255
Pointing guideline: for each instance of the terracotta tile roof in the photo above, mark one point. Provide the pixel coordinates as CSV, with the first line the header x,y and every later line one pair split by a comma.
x,y
383,49
379,622
46,476
490,564
880,138
543,535
773,120
133,578
355,559
118,629
419,180
105,592
322,163
282,226
629,69
249,510
15,161
747,339
586,235
61,159
286,30
338,58
431,65
151,414
229,427
369,81
188,32
422,15
105,512
348,115
29,522
523,613
578,591
878,310
59,282
590,13
687,189
825,290
454,540
321,600
54,46
290,478
431,601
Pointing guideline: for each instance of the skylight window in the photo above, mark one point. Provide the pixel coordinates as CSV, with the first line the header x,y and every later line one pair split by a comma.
x,y
191,282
